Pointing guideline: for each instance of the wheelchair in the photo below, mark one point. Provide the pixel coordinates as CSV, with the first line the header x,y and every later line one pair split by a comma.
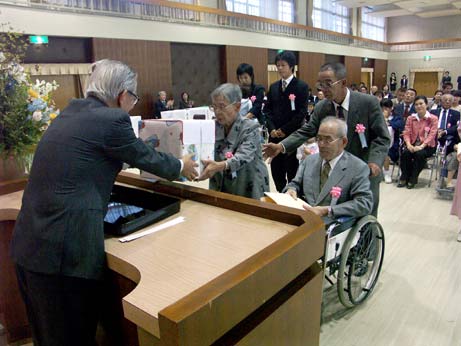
x,y
354,252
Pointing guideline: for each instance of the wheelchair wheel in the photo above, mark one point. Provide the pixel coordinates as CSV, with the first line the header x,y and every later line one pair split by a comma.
x,y
361,261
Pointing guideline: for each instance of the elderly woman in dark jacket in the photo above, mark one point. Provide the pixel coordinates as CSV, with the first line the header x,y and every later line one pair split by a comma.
x,y
238,167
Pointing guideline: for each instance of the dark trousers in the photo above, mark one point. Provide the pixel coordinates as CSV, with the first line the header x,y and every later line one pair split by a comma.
x,y
62,311
412,164
283,169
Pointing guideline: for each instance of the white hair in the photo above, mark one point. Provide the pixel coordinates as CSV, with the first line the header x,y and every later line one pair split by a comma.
x,y
341,126
109,78
231,92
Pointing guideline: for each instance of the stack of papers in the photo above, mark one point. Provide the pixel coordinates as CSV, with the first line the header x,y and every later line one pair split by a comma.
x,y
286,200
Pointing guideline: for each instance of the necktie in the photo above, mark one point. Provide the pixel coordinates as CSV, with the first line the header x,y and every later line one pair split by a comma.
x,y
406,113
443,124
324,174
340,112
284,85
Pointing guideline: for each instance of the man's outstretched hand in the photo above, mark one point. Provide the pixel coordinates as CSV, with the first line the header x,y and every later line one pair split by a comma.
x,y
271,150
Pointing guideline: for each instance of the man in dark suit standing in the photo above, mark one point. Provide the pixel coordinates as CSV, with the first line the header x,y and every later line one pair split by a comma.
x,y
406,108
58,240
448,133
285,109
361,112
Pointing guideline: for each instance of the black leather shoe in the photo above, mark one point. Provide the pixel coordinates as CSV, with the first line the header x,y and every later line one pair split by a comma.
x,y
401,184
410,186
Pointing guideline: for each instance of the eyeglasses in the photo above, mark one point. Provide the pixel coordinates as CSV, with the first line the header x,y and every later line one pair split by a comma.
x,y
325,140
326,85
220,108
136,97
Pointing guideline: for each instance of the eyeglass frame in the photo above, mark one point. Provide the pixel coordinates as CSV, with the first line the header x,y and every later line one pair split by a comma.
x,y
137,98
212,108
325,141
322,86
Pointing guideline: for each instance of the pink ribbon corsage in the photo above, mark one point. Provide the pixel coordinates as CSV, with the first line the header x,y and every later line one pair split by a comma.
x,y
228,156
335,194
360,129
253,98
292,98
448,125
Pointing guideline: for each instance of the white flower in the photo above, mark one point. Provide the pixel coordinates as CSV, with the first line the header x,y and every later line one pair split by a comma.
x,y
2,57
37,116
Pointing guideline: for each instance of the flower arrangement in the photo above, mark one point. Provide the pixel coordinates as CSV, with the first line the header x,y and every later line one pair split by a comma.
x,y
26,109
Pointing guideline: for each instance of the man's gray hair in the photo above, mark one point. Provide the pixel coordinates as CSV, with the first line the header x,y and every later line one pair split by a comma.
x,y
338,69
448,95
341,126
110,78
231,92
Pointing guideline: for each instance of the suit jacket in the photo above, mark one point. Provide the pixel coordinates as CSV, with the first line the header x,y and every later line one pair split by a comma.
x,y
363,109
247,175
452,128
425,129
159,107
404,83
59,229
279,114
400,109
349,173
258,92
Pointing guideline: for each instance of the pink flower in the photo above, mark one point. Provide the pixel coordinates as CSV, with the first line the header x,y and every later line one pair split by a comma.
x,y
229,155
253,98
335,192
292,97
427,129
359,128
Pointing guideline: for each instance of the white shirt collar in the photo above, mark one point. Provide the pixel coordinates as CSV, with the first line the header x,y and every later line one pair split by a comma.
x,y
333,162
346,101
289,79
426,115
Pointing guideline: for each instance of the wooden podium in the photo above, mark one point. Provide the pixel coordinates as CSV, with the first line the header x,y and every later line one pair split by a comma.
x,y
236,272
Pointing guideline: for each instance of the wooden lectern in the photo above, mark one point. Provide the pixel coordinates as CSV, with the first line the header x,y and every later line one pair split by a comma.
x,y
236,272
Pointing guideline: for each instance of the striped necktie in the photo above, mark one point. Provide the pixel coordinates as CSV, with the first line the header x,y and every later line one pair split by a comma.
x,y
324,174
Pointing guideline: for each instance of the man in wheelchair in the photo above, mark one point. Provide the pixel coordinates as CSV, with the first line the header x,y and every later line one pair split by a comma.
x,y
336,186
334,182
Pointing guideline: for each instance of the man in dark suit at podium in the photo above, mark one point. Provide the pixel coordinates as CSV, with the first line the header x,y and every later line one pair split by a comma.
x,y
285,109
58,240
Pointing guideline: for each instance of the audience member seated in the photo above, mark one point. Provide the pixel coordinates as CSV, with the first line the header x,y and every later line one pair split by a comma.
x,y
420,136
456,100
162,105
238,167
379,95
395,124
387,93
447,133
436,100
406,108
320,96
447,88
399,96
185,102
363,89
373,89
332,171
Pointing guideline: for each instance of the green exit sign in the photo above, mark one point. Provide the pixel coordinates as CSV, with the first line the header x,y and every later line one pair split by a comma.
x,y
427,58
38,39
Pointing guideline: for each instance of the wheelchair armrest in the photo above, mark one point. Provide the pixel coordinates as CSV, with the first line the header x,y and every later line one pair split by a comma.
x,y
341,224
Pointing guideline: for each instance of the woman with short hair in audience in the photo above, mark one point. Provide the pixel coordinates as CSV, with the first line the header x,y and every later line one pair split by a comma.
x,y
436,100
185,102
246,78
387,93
238,167
420,136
